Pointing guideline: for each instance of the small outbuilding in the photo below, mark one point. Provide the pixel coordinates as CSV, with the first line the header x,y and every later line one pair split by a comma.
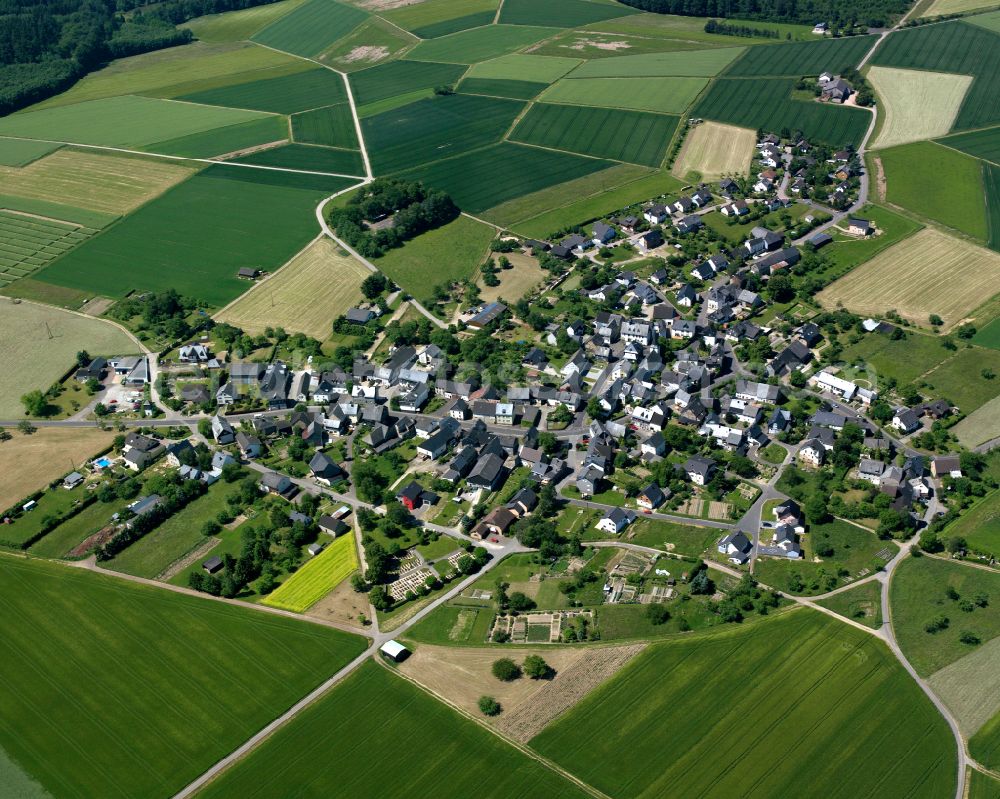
x,y
212,565
394,651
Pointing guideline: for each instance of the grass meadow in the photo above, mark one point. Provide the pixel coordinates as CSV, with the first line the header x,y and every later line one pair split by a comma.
x,y
917,594
916,104
235,26
432,16
522,67
991,183
983,786
196,236
679,709
318,577
907,278
505,171
446,756
305,296
268,129
502,87
311,27
633,136
984,746
665,95
21,152
143,689
712,150
38,344
694,63
980,525
862,604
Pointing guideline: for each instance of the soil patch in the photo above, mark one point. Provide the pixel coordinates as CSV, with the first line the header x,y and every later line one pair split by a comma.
x,y
91,543
343,604
365,53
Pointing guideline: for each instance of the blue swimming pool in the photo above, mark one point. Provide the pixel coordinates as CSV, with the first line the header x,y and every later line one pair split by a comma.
x,y
104,463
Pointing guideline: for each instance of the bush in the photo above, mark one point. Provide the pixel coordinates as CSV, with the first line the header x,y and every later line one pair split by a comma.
x,y
657,613
970,638
938,623
506,670
489,706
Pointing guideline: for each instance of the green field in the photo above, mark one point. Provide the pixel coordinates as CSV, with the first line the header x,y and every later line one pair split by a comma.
x,y
234,26
143,689
518,66
983,786
720,730
287,94
332,126
695,63
633,136
196,236
512,89
991,183
560,13
984,746
176,537
437,128
988,336
983,143
767,103
318,577
375,41
917,594
980,525
446,755
937,183
122,121
803,58
27,244
479,44
691,30
448,253
21,152
430,16
952,47
666,95
221,141
488,177
861,604
309,157
311,28
845,253
401,77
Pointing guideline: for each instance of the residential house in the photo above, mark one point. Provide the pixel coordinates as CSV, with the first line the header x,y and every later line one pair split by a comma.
x,y
736,546
699,469
615,520
651,497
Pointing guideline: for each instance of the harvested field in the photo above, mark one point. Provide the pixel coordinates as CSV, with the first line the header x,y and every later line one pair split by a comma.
x,y
38,344
971,688
29,463
305,296
907,277
712,150
666,95
940,7
980,426
917,104
461,674
114,184
525,720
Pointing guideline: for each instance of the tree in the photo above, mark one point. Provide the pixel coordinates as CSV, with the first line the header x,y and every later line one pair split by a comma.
x,y
35,403
779,288
26,427
358,583
701,583
489,706
82,358
373,285
936,320
970,638
657,613
506,670
379,597
520,602
536,668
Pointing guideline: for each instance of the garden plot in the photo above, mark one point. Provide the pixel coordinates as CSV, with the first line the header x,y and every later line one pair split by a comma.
x,y
908,278
28,243
917,104
712,150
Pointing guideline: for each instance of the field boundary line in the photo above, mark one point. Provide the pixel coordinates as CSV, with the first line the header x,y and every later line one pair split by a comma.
x,y
524,749
984,159
496,227
571,152
411,34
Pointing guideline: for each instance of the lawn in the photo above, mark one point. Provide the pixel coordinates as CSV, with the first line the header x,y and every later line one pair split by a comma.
x,y
21,152
195,237
907,278
680,710
803,58
696,63
305,296
446,254
332,126
237,25
682,539
712,150
516,282
666,95
152,554
311,28
309,158
560,13
916,104
491,176
173,683
401,78
286,94
107,182
447,755
854,551
522,67
767,103
917,595
318,577
53,503
122,121
955,47
436,128
938,183
634,136
38,345
862,604
74,531
479,44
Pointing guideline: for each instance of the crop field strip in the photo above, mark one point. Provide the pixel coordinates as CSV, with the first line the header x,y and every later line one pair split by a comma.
x,y
713,150
436,128
318,577
479,44
311,28
984,746
432,16
984,144
955,47
802,58
665,95
519,66
196,236
633,136
448,755
21,152
233,26
401,77
560,13
287,94
27,244
222,141
678,709
332,126
767,103
505,171
916,104
991,184
173,682
374,41
508,89
308,158
690,63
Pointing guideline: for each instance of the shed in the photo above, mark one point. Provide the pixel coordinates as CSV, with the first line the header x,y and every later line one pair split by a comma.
x,y
72,480
395,651
212,565
314,549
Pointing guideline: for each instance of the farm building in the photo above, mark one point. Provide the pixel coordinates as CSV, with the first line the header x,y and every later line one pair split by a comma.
x,y
394,651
